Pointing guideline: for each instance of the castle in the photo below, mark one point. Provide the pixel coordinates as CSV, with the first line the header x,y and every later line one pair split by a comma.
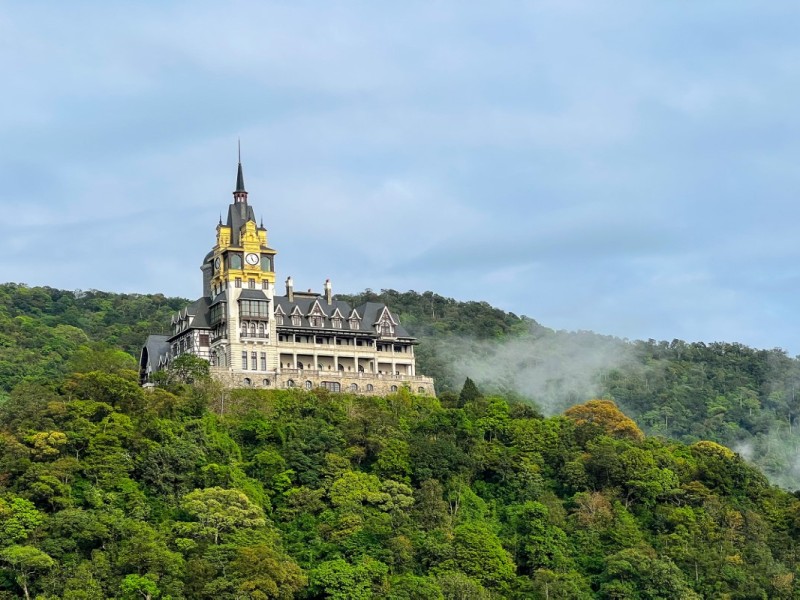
x,y
255,338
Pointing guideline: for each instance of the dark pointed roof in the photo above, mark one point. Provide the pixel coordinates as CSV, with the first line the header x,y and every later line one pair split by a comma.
x,y
240,180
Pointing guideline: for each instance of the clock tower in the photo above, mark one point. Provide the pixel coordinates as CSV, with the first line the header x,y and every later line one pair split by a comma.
x,y
239,277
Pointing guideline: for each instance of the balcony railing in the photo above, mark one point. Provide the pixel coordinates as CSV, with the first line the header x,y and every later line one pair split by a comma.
x,y
352,375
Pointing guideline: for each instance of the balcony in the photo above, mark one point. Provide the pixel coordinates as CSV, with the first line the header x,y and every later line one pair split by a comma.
x,y
351,375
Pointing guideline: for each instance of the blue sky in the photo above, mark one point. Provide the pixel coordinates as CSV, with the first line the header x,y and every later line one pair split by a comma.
x,y
625,167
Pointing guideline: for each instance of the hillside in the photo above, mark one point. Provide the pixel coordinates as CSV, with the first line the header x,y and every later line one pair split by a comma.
x,y
741,397
110,491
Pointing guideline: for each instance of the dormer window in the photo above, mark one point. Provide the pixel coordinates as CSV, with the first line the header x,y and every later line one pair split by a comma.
x,y
296,320
385,328
336,322
315,321
355,324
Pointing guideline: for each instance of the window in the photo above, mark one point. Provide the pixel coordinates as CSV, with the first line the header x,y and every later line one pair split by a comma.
x,y
251,283
236,262
265,285
204,339
370,387
266,382
355,324
254,308
261,330
279,319
238,282
296,320
290,383
315,321
263,361
385,328
353,387
309,385
421,390
244,329
244,360
393,388
254,361
266,264
247,381
336,323
333,386
217,313
299,365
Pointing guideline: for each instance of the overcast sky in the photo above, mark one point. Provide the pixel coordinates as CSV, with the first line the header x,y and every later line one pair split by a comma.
x,y
626,167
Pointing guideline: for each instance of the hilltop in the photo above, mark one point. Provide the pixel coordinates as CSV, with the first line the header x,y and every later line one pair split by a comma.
x,y
741,397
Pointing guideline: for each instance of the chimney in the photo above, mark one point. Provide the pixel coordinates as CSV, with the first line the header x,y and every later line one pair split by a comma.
x,y
290,289
328,292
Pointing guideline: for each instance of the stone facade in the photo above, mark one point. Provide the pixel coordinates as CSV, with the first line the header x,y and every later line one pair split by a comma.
x,y
254,337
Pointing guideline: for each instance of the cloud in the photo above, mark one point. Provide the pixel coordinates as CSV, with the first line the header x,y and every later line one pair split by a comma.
x,y
597,165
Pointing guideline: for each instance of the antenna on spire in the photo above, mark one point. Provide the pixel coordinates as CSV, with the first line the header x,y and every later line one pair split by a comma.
x,y
239,195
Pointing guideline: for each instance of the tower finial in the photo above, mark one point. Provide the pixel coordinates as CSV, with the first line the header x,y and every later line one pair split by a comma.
x,y
240,194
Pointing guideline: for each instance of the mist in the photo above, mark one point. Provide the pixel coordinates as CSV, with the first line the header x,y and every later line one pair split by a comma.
x,y
555,370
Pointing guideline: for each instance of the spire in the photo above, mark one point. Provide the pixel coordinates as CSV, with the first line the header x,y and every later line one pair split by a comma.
x,y
240,194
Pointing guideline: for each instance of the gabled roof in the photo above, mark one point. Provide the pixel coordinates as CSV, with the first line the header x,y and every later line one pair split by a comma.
x,y
368,313
316,309
154,348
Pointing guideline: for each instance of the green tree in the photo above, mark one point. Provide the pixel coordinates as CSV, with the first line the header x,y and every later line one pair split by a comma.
x,y
263,572
134,587
25,562
218,511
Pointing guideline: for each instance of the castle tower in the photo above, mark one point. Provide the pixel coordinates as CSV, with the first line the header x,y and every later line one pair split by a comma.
x,y
241,288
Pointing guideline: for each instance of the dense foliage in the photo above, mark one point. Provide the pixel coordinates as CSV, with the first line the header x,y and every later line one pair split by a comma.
x,y
194,491
744,398
41,328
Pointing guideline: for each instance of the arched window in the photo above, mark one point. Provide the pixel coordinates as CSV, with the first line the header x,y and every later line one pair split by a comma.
x,y
421,390
299,365
353,387
290,383
260,330
253,329
244,329
393,388
309,385
247,381
266,382
370,387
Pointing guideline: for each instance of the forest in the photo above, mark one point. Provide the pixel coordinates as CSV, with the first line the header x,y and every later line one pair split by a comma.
x,y
644,489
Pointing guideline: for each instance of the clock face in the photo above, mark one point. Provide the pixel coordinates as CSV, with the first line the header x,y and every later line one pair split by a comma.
x,y
252,259
216,264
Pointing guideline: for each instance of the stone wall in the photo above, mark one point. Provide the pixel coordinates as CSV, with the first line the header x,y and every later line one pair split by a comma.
x,y
367,384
